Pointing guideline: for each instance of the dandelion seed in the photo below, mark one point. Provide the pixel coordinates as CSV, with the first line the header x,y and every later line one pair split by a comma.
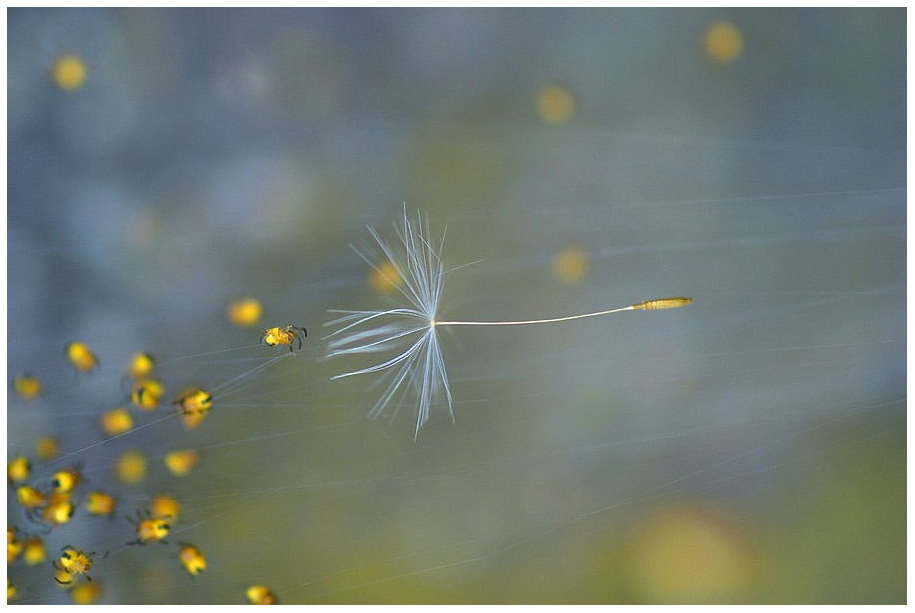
x,y
412,329
421,366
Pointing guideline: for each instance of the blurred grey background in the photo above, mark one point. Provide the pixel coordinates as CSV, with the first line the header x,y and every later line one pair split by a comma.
x,y
748,448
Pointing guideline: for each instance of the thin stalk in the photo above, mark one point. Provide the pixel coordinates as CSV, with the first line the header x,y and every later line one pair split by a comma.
x,y
647,305
528,321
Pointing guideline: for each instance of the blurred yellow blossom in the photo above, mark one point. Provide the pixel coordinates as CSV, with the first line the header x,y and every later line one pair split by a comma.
x,y
555,105
69,72
27,387
47,448
385,278
571,264
244,312
723,42
690,554
131,467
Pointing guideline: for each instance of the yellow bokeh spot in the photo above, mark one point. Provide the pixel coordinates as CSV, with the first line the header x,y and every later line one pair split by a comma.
x,y
10,590
164,505
571,264
27,387
723,42
18,469
131,467
116,421
245,312
385,278
47,448
33,551
555,105
141,366
30,498
81,356
69,72
690,554
86,593
260,594
13,546
100,503
180,463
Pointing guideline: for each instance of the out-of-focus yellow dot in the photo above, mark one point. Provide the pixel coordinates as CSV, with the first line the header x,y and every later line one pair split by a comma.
x,y
81,356
555,105
47,448
164,505
116,421
180,463
260,594
723,42
33,550
141,366
27,387
13,546
131,467
690,554
10,590
100,503
245,312
141,230
30,498
571,264
69,72
87,592
385,278
18,470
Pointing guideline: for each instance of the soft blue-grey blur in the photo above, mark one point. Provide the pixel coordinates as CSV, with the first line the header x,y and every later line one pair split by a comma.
x,y
747,448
